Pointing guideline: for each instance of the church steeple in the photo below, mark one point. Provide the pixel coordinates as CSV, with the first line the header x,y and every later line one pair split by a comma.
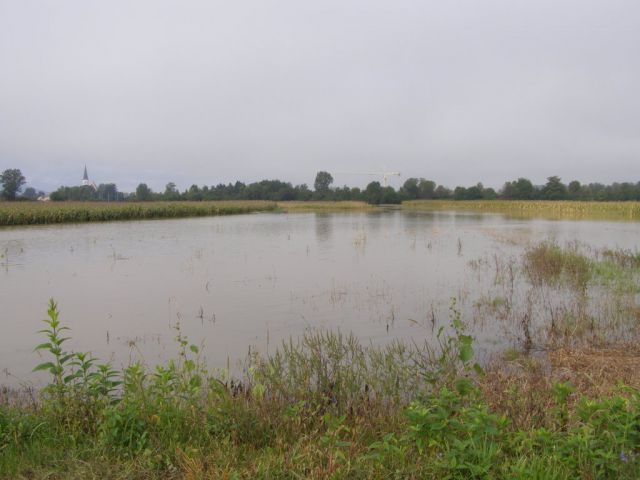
x,y
85,178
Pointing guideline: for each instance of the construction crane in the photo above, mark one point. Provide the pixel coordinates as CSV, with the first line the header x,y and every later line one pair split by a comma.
x,y
385,175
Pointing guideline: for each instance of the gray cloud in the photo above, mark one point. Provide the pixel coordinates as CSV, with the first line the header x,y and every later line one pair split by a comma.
x,y
210,91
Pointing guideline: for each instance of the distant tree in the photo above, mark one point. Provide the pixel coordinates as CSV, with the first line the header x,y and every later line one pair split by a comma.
x,y
554,189
489,194
143,192
409,189
171,192
414,188
194,193
81,193
475,192
30,193
302,192
442,193
521,189
373,193
107,192
426,189
12,181
459,193
389,196
575,190
322,183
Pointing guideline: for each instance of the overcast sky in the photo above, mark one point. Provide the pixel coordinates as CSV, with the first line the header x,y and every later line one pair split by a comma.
x,y
205,91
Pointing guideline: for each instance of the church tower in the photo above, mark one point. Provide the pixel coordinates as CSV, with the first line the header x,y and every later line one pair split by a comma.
x,y
85,178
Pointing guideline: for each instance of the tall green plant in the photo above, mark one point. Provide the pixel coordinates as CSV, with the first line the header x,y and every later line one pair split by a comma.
x,y
59,363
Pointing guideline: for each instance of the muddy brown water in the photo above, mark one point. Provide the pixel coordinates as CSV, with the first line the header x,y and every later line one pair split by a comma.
x,y
249,281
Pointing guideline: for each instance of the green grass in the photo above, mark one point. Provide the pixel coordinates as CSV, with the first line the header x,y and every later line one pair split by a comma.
x,y
571,210
325,406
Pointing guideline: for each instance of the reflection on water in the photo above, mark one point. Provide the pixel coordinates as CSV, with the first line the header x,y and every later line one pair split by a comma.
x,y
253,280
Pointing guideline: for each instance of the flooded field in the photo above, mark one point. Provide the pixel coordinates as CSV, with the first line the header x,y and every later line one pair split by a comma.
x,y
244,283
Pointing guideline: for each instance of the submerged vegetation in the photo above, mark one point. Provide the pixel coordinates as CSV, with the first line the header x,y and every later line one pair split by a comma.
x,y
328,406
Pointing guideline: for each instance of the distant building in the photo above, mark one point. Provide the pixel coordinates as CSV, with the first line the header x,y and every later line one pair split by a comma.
x,y
85,178
86,182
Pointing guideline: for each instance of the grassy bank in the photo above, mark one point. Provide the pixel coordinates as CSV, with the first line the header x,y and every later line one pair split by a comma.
x,y
34,213
328,406
540,209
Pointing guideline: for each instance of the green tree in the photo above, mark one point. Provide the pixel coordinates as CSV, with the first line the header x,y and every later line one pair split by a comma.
x,y
489,194
442,192
460,193
303,192
107,192
322,183
475,192
12,181
143,192
575,190
410,189
389,196
426,189
554,189
171,192
521,189
373,193
194,193
30,193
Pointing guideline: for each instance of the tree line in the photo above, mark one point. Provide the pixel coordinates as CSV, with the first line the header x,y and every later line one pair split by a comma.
x,y
12,181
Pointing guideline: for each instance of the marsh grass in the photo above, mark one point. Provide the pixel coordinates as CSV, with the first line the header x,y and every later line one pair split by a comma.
x,y
549,263
570,210
557,295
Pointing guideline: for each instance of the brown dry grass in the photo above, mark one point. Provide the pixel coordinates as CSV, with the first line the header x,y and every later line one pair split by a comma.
x,y
597,372
522,387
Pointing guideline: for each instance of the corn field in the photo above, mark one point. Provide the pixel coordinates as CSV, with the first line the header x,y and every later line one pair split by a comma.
x,y
531,208
35,213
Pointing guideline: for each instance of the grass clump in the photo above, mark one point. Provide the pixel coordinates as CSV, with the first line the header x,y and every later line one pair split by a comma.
x,y
323,407
549,263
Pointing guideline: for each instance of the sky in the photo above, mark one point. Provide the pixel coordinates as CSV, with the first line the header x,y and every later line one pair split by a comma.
x,y
208,91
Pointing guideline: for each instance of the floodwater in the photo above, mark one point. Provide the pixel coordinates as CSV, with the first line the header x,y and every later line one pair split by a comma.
x,y
245,282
